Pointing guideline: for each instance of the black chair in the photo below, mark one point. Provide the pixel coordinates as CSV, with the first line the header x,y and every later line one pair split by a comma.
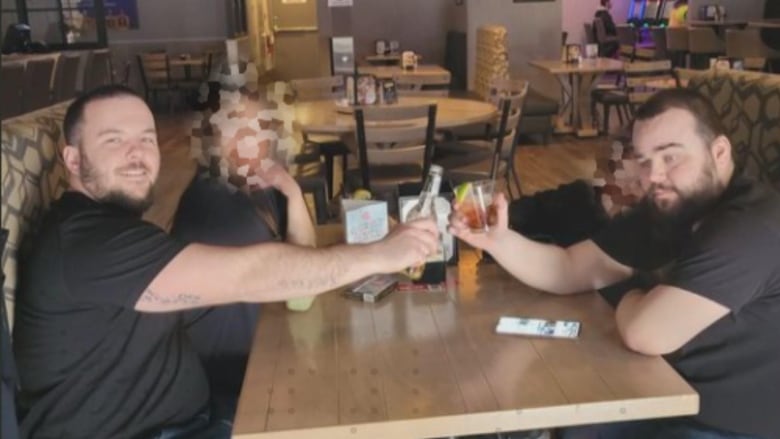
x,y
638,87
325,146
464,159
156,77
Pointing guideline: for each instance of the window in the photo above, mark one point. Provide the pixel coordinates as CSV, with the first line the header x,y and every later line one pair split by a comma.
x,y
61,24
237,12
8,16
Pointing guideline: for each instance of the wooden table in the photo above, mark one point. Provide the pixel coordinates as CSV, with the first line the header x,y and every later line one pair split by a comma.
x,y
388,72
322,117
577,81
187,63
767,24
718,23
430,364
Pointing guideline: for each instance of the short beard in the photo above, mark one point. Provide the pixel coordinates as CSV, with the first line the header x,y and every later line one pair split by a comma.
x,y
138,206
90,180
690,208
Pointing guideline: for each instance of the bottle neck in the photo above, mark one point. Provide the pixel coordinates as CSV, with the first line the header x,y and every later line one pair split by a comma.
x,y
430,191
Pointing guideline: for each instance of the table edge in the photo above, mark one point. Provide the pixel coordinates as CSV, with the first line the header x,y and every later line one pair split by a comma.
x,y
504,420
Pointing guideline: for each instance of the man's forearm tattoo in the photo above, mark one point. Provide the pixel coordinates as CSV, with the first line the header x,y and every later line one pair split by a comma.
x,y
149,296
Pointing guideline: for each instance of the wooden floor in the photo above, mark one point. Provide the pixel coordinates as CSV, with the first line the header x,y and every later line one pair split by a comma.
x,y
540,167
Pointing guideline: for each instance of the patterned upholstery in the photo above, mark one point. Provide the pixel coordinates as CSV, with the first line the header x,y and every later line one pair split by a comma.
x,y
32,177
749,105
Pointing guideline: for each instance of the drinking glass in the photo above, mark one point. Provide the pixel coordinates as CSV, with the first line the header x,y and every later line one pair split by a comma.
x,y
477,205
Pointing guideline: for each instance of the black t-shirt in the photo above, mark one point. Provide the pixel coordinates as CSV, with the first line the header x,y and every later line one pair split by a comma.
x,y
732,258
90,365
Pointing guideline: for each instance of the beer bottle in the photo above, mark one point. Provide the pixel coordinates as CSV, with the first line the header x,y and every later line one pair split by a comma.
x,y
425,209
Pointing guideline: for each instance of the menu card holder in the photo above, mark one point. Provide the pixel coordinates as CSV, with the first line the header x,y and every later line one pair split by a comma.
x,y
364,220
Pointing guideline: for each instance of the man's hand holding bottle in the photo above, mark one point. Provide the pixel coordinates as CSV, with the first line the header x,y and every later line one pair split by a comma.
x,y
407,245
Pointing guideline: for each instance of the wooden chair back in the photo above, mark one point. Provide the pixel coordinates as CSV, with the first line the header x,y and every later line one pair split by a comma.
x,y
641,75
501,91
155,69
393,135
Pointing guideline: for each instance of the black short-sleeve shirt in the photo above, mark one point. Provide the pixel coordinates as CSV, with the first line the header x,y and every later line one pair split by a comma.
x,y
89,364
733,258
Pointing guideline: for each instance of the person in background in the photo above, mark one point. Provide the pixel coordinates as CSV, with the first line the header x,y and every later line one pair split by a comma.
x,y
679,15
99,337
704,242
609,48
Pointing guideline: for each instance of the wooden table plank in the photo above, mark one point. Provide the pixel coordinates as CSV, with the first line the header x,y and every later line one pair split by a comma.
x,y
361,387
307,360
388,72
253,406
430,364
419,379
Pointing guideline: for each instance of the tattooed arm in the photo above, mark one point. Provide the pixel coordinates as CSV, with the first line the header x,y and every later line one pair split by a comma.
x,y
204,275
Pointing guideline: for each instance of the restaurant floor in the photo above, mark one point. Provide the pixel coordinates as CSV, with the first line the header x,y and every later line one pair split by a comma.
x,y
540,167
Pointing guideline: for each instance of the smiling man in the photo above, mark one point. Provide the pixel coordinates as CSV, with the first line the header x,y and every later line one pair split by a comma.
x,y
101,349
710,240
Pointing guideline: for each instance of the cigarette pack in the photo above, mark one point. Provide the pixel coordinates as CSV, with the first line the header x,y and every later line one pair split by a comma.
x,y
373,289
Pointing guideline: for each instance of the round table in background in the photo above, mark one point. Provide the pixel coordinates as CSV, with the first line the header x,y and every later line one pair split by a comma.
x,y
324,117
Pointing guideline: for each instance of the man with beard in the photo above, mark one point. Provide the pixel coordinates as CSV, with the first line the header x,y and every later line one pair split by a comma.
x,y
713,238
100,347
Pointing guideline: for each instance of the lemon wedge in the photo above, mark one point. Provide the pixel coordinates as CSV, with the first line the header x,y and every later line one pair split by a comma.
x,y
461,191
361,194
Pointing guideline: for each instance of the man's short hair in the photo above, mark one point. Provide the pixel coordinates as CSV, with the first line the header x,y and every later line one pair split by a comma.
x,y
75,114
708,123
604,3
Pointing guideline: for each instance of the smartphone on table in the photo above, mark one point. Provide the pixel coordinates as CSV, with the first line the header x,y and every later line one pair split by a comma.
x,y
538,327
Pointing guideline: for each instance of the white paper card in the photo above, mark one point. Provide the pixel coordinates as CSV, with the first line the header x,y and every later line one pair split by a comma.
x,y
339,3
364,221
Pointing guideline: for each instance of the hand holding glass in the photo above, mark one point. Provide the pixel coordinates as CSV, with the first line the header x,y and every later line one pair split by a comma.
x,y
476,205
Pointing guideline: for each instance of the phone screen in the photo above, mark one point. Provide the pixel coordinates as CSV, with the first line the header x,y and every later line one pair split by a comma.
x,y
538,327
